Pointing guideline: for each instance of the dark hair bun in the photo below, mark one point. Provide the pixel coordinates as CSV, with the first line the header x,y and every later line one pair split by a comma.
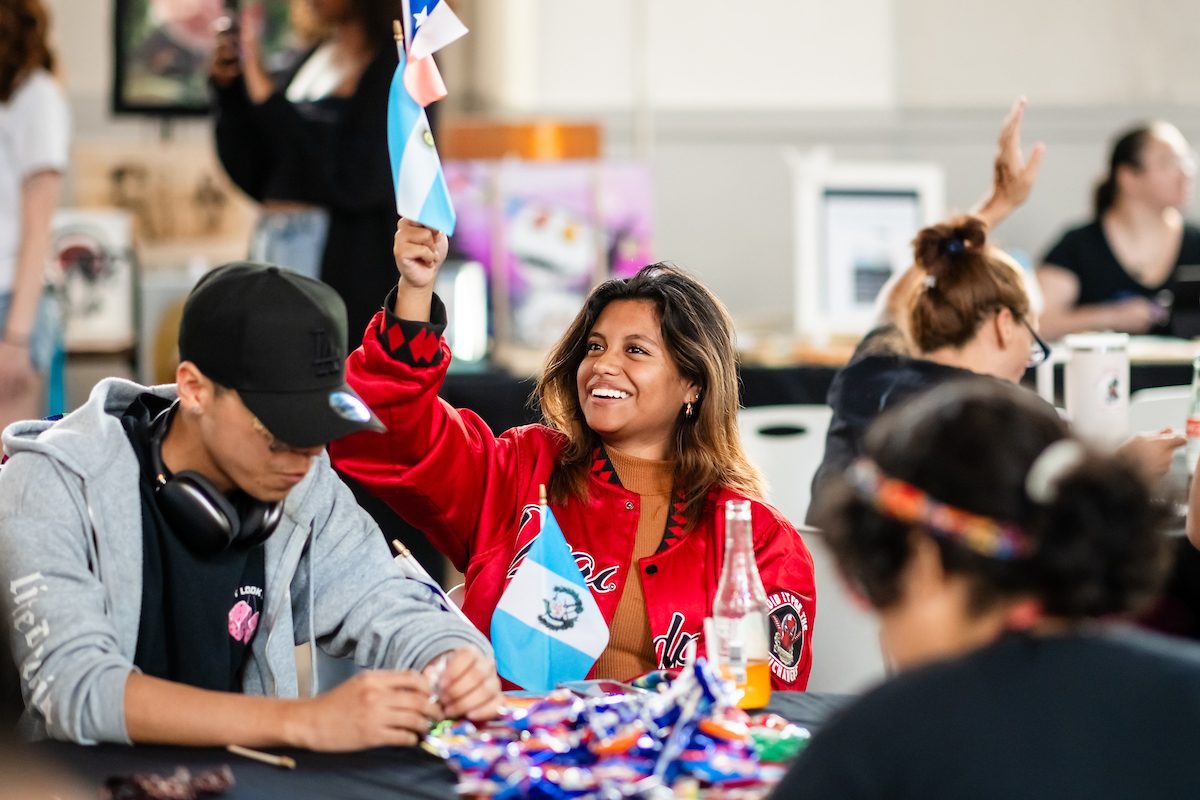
x,y
939,248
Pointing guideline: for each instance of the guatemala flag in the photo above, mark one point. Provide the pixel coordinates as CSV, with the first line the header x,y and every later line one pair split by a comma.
x,y
421,193
547,627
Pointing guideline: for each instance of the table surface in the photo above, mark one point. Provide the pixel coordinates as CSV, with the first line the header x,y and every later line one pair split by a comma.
x,y
370,775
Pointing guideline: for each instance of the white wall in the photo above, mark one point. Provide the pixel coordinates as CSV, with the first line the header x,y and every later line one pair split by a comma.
x,y
1069,53
724,88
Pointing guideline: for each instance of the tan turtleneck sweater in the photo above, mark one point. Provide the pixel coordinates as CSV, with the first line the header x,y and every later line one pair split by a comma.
x,y
630,650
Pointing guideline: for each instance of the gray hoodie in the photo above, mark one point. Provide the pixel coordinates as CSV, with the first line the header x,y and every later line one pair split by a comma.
x,y
71,561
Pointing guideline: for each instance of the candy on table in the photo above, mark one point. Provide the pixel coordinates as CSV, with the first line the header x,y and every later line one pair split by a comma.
x,y
636,746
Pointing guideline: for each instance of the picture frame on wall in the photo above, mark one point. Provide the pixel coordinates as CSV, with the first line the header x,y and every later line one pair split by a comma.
x,y
161,52
854,225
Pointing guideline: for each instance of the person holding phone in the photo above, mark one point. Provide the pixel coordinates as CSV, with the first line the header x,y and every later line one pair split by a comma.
x,y
310,144
1118,272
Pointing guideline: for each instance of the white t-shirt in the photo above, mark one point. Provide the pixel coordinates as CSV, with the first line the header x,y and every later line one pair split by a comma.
x,y
35,135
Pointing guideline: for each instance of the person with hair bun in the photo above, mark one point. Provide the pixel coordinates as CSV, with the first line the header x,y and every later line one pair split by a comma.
x,y
1118,272
962,311
995,550
968,317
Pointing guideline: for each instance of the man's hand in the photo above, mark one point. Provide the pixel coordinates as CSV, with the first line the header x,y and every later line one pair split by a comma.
x,y
1152,452
468,685
376,708
1012,175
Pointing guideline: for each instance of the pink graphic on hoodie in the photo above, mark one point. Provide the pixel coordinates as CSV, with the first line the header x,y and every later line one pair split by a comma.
x,y
243,621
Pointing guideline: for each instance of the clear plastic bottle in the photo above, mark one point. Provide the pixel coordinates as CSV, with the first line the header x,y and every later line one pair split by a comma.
x,y
1193,420
740,611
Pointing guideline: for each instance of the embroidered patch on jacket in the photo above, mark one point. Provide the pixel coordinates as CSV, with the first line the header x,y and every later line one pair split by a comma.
x,y
789,628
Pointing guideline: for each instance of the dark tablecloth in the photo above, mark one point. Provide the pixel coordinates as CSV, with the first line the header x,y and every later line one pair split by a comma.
x,y
371,775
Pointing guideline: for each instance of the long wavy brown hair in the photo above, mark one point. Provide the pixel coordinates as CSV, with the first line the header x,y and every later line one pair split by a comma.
x,y
24,43
698,332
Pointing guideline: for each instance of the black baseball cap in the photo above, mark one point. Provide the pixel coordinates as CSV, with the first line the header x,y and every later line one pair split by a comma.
x,y
279,339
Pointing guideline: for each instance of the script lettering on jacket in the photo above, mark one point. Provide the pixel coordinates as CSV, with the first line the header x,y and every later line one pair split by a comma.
x,y
671,646
24,592
600,581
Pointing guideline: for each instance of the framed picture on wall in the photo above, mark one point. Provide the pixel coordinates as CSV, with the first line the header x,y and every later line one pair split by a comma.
x,y
854,225
161,50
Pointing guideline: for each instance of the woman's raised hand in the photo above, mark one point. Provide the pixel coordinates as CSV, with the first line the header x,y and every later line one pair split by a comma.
x,y
419,253
1013,175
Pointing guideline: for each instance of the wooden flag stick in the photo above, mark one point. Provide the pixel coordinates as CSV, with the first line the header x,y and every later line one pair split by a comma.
x,y
284,762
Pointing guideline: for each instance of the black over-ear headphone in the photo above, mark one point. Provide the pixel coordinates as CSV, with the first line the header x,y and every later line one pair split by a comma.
x,y
202,516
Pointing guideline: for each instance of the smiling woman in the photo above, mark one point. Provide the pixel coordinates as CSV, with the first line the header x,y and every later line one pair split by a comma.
x,y
639,449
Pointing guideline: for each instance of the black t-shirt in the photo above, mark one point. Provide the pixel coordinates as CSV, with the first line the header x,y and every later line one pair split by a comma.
x,y
872,383
1101,715
1085,251
199,613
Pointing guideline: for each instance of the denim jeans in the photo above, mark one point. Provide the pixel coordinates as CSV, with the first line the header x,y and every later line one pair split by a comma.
x,y
47,329
291,239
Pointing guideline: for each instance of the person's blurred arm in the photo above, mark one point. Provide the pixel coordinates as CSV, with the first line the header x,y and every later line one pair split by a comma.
x,y
1060,290
39,196
1152,452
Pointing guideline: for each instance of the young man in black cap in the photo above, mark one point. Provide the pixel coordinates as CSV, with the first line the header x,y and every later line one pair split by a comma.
x,y
164,548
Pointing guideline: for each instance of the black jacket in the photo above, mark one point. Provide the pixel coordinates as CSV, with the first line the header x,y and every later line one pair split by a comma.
x,y
344,169
869,385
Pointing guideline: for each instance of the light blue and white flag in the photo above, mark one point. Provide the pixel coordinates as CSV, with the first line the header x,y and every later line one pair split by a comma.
x,y
547,627
421,192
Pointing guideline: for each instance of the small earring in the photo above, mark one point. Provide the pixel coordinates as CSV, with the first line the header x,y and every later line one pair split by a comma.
x,y
195,411
687,409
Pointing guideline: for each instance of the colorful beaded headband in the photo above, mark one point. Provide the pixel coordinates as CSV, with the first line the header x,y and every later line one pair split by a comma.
x,y
906,503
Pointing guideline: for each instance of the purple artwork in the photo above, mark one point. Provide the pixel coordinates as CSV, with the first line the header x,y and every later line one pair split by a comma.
x,y
556,229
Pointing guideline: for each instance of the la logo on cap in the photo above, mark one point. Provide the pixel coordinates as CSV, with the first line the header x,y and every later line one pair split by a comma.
x,y
326,360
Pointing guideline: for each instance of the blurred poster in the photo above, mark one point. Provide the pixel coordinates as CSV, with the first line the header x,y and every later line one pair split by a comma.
x,y
547,232
92,264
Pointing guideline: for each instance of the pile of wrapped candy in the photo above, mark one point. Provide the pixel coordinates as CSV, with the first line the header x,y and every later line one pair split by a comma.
x,y
627,746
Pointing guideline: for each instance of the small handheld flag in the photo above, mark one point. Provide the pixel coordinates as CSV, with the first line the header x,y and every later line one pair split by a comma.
x,y
547,627
421,192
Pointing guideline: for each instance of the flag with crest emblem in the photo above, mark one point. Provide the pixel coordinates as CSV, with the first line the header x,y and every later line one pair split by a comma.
x,y
547,627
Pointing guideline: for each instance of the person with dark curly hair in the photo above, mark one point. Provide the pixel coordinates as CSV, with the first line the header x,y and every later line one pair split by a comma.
x,y
996,550
35,133
962,311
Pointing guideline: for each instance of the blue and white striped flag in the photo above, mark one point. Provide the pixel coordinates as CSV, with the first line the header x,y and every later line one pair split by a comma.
x,y
547,627
421,192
